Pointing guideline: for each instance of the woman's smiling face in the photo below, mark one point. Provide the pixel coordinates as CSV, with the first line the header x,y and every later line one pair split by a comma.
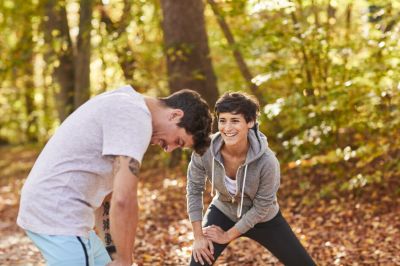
x,y
233,128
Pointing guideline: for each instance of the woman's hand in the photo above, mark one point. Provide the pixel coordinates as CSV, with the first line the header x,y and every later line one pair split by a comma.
x,y
203,249
216,234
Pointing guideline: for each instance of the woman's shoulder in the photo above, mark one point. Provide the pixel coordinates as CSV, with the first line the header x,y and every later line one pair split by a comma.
x,y
202,157
268,159
215,141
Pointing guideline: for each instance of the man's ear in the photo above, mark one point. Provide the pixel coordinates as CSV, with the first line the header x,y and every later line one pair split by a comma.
x,y
176,114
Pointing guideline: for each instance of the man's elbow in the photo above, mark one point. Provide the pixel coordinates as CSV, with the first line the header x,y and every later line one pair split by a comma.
x,y
125,202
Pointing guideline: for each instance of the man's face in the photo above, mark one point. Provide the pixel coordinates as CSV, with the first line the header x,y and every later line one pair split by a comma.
x,y
170,136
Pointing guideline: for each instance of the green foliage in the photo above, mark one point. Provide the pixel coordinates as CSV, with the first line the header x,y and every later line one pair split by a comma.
x,y
329,71
342,95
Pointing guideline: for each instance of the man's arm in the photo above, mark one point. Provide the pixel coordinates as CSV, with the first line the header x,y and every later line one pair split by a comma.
x,y
124,208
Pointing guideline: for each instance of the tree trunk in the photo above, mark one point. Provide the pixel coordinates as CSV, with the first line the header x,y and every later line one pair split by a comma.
x,y
57,35
309,91
82,59
186,45
331,13
188,55
31,130
244,69
26,73
117,33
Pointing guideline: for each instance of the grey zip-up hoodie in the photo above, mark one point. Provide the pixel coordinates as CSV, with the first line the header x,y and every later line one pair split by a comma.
x,y
257,179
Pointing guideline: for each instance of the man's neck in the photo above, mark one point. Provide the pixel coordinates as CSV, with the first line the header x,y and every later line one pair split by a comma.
x,y
155,107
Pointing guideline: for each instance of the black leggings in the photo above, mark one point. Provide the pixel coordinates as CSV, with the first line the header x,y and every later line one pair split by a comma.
x,y
275,235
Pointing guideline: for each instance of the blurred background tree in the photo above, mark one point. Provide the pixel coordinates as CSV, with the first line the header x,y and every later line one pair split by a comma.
x,y
326,71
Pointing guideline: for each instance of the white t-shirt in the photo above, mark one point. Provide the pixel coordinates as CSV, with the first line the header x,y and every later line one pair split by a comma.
x,y
230,185
73,173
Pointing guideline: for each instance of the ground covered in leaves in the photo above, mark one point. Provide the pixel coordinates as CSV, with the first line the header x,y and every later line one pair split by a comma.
x,y
344,228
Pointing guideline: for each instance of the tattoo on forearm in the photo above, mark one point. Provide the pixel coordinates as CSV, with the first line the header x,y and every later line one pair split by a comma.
x,y
106,208
106,224
108,240
134,166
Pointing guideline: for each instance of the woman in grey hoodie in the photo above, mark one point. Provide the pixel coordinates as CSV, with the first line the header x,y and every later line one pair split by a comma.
x,y
245,178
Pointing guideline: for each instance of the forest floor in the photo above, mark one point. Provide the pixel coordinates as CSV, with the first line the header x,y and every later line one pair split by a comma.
x,y
343,229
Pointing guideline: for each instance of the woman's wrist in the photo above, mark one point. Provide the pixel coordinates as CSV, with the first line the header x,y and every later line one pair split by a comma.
x,y
232,234
199,236
225,238
197,230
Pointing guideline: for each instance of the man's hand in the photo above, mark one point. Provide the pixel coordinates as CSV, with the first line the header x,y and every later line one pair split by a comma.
x,y
216,234
203,249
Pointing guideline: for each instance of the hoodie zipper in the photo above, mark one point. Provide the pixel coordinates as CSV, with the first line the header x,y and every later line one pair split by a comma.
x,y
237,183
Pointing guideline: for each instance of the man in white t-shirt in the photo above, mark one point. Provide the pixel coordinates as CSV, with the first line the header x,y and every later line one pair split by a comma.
x,y
97,150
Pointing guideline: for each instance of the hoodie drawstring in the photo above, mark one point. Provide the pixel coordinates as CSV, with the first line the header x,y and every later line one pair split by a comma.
x,y
239,210
212,177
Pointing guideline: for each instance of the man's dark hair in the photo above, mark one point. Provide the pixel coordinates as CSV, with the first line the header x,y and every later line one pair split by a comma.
x,y
238,103
197,118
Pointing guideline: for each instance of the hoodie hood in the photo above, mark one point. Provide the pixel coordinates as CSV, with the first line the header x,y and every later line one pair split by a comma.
x,y
257,146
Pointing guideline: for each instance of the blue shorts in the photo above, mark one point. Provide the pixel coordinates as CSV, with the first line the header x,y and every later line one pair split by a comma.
x,y
71,250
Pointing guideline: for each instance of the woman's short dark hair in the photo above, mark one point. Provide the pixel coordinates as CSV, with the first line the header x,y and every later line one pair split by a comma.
x,y
238,103
197,118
